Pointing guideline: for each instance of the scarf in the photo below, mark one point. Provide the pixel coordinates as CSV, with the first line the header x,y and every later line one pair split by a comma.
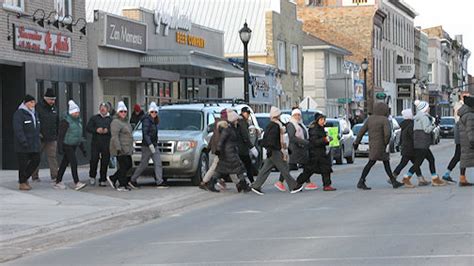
x,y
301,130
284,146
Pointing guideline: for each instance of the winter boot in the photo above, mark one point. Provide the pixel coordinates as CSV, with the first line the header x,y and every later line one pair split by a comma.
x,y
396,184
362,185
463,182
24,186
407,183
437,182
423,182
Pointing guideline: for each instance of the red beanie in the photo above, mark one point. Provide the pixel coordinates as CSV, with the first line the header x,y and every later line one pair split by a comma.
x,y
137,108
224,114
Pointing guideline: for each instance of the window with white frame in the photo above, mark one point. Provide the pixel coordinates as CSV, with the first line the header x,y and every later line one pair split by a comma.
x,y
430,73
281,55
64,10
294,58
14,5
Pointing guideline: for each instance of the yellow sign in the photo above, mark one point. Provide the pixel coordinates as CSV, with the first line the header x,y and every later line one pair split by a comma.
x,y
191,40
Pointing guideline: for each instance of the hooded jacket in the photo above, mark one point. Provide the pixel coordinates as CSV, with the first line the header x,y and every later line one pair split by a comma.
x,y
379,133
49,117
26,128
244,137
319,161
423,126
149,131
466,134
408,148
121,142
228,152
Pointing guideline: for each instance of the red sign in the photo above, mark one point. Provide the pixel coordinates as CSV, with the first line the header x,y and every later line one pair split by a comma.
x,y
42,42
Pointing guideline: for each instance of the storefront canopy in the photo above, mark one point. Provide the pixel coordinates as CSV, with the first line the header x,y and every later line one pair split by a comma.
x,y
190,64
138,74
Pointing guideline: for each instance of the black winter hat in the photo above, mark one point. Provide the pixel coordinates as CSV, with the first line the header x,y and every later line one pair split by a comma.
x,y
50,93
245,110
318,116
28,98
469,101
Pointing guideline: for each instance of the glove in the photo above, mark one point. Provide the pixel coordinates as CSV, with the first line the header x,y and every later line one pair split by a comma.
x,y
152,148
356,146
254,152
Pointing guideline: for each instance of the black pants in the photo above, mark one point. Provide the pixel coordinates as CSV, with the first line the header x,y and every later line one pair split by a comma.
x,y
369,166
293,167
99,151
421,155
248,166
306,175
27,164
403,163
69,158
456,158
124,166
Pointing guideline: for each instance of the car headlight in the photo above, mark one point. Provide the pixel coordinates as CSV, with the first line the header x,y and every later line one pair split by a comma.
x,y
185,145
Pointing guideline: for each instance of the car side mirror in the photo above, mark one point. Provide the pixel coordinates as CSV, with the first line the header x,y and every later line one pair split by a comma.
x,y
210,128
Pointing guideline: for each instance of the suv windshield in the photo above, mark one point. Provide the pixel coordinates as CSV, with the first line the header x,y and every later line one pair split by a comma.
x,y
357,128
447,121
263,122
179,120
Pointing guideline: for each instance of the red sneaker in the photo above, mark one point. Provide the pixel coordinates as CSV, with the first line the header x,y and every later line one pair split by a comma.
x,y
280,186
329,188
311,186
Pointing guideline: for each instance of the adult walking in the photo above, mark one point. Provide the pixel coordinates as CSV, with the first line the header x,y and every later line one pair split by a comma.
x,y
99,127
137,115
408,150
274,143
245,145
26,130
121,146
319,159
422,130
70,137
378,127
49,117
150,149
466,134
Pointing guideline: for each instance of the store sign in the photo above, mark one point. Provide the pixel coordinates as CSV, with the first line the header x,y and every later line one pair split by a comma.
x,y
404,91
42,42
404,71
191,40
125,34
174,21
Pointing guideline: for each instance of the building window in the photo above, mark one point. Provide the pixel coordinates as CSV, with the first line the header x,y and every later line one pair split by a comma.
x,y
314,2
14,5
281,55
294,58
64,10
40,89
430,73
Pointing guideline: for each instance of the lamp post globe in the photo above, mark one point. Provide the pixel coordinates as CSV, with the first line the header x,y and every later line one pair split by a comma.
x,y
245,34
365,66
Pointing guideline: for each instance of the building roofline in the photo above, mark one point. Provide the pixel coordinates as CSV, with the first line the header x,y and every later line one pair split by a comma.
x,y
405,7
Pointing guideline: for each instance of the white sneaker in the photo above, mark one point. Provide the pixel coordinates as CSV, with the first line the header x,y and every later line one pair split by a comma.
x,y
79,186
92,181
59,185
123,189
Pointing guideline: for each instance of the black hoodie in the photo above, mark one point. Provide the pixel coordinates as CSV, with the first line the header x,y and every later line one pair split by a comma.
x,y
408,149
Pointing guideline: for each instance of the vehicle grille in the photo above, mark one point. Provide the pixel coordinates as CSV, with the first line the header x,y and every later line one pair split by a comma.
x,y
164,146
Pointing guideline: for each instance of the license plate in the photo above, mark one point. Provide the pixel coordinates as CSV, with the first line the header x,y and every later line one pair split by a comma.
x,y
446,132
363,147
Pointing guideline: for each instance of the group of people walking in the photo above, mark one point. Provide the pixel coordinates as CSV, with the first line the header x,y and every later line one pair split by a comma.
x,y
38,129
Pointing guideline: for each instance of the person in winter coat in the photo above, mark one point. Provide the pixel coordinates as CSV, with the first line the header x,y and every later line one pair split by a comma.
x,y
26,130
49,117
408,150
272,141
422,130
298,147
99,127
121,146
70,137
228,153
245,145
150,149
137,115
220,124
319,159
378,127
466,134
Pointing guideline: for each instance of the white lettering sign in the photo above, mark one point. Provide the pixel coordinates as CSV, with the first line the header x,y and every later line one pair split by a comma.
x,y
405,71
175,21
123,35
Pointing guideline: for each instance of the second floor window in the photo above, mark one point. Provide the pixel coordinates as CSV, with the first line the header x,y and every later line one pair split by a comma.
x,y
294,58
64,10
281,55
15,5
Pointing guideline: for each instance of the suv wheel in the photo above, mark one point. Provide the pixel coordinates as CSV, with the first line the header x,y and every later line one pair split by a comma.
x,y
340,157
201,171
350,159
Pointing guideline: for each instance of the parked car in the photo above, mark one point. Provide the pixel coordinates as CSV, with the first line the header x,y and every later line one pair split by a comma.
x,y
184,133
307,115
395,139
363,149
346,140
446,125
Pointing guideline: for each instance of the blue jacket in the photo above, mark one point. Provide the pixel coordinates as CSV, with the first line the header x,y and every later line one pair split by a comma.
x,y
26,127
149,131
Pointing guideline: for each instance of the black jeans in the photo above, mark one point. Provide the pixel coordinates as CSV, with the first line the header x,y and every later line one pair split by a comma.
x,y
27,164
99,151
456,158
293,166
369,166
403,163
306,175
69,158
124,166
248,166
421,155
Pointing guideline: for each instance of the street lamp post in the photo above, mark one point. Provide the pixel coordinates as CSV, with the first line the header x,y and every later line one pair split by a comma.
x,y
414,81
365,66
245,35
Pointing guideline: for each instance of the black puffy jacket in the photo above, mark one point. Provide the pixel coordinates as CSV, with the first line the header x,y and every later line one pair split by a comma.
x,y
27,134
149,131
49,118
319,160
99,121
408,149
227,148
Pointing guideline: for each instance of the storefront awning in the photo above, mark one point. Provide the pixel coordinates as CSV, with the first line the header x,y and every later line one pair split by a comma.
x,y
138,74
190,64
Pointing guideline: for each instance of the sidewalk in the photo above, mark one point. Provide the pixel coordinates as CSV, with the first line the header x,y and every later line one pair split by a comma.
x,y
44,213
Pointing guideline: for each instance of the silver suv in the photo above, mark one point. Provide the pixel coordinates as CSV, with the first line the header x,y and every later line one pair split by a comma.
x,y
183,136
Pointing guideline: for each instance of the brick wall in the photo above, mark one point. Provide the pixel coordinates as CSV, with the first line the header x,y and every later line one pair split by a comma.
x,y
79,42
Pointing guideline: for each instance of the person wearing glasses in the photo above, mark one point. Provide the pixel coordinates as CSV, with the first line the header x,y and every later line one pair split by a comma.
x,y
149,147
121,146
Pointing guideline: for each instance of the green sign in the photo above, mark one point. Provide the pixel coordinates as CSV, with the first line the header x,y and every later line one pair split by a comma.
x,y
380,95
344,100
334,133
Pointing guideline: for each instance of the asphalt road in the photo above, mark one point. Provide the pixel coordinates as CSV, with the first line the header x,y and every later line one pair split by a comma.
x,y
420,226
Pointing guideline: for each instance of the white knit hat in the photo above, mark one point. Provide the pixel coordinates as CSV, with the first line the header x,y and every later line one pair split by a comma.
x,y
422,106
232,116
295,111
407,114
153,107
73,107
121,106
274,112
